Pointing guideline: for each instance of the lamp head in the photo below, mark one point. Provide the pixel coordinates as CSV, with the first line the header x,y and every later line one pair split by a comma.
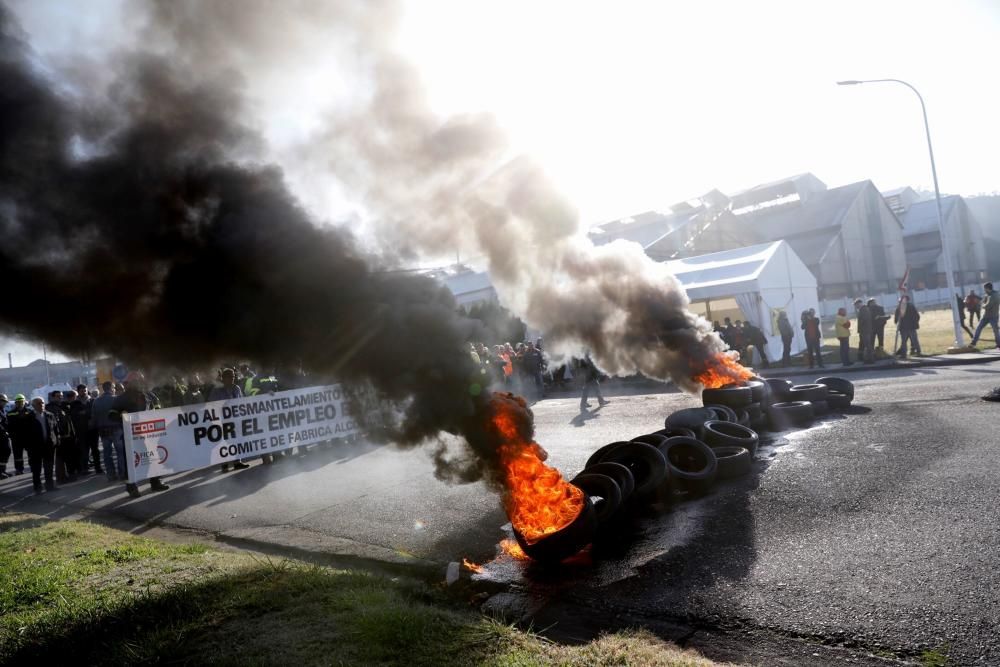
x,y
848,83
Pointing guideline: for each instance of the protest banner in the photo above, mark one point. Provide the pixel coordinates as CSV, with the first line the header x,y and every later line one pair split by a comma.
x,y
164,442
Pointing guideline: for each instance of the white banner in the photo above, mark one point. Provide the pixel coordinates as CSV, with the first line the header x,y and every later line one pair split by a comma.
x,y
164,442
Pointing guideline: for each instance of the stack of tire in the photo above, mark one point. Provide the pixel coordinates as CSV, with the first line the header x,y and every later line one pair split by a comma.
x,y
696,447
797,405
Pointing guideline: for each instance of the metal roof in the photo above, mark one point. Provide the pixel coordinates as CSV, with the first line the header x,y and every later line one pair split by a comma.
x,y
921,217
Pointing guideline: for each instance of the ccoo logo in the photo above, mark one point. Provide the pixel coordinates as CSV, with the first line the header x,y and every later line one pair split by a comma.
x,y
148,427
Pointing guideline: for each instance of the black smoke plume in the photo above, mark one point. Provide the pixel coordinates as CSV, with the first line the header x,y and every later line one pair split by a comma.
x,y
127,227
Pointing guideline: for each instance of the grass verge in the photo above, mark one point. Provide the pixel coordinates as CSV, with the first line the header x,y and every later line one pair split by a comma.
x,y
82,592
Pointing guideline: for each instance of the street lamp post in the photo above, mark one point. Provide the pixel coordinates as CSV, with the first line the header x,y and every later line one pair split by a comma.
x,y
949,273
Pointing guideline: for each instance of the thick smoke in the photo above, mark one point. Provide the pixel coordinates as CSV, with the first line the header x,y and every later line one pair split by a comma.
x,y
127,227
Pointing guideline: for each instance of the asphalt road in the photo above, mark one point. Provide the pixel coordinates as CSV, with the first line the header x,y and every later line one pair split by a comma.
x,y
872,533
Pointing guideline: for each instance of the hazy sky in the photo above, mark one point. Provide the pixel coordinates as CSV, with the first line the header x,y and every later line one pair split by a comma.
x,y
637,105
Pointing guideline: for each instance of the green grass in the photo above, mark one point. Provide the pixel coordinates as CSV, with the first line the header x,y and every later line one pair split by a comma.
x,y
82,592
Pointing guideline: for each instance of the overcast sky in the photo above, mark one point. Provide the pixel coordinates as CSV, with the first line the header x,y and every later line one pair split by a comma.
x,y
636,105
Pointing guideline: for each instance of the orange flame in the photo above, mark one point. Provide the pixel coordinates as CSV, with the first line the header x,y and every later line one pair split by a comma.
x,y
513,549
537,499
718,371
471,567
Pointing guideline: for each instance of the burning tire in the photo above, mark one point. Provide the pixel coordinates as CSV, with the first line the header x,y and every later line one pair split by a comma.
x,y
758,389
732,462
616,471
675,432
597,456
692,465
605,489
565,542
723,434
647,465
838,401
723,413
732,395
791,413
808,392
690,418
839,385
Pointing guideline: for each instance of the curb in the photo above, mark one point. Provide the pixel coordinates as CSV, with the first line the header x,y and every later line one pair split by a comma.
x,y
925,362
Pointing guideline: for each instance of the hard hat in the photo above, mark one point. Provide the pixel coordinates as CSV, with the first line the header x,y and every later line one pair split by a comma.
x,y
19,397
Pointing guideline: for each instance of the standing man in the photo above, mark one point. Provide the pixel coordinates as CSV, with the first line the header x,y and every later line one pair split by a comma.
x,y
814,338
866,332
907,320
41,438
4,438
532,363
842,329
67,457
15,427
79,413
754,336
229,390
972,303
135,399
991,307
591,381
109,431
879,318
787,334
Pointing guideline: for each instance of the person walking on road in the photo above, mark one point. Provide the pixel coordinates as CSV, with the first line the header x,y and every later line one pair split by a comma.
x,y
787,334
842,329
866,332
972,303
591,382
907,320
991,308
810,325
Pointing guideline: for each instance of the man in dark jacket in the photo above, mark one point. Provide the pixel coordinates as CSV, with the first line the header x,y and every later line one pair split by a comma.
x,y
591,377
41,439
879,318
135,399
67,457
109,431
16,419
866,332
787,334
991,313
754,336
79,413
4,438
907,320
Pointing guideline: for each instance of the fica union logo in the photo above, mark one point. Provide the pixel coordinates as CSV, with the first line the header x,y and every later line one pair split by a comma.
x,y
145,458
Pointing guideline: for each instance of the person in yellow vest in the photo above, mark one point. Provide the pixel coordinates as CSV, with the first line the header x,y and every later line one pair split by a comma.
x,y
842,330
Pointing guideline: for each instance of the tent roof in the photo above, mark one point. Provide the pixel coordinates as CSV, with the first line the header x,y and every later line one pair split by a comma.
x,y
733,270
921,217
644,228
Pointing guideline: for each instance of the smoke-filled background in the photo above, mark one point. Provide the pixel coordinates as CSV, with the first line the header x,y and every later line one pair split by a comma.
x,y
139,217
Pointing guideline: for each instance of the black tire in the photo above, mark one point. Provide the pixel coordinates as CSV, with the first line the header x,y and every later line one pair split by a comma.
x,y
616,471
723,412
754,411
732,462
723,434
758,390
808,392
692,465
674,432
691,418
820,407
654,439
759,424
838,401
603,487
566,542
647,465
791,413
598,456
743,419
732,395
778,389
839,385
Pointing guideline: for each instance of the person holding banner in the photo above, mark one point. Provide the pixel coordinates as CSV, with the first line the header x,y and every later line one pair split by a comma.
x,y
227,391
109,431
135,399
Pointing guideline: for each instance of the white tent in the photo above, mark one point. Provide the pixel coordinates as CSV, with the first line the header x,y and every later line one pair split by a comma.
x,y
762,279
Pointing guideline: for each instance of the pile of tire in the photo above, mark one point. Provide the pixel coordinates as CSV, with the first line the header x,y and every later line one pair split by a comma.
x,y
683,460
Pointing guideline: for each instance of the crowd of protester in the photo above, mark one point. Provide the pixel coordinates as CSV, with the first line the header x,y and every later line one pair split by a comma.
x,y
79,432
